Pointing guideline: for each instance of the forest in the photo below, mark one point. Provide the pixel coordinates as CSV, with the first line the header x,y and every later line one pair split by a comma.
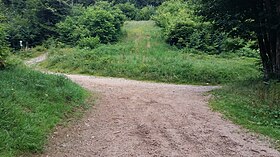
x,y
231,44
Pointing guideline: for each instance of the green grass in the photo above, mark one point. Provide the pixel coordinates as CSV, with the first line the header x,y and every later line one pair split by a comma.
x,y
253,105
142,54
31,53
31,105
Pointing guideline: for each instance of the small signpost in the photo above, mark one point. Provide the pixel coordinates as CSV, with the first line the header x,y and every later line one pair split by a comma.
x,y
20,44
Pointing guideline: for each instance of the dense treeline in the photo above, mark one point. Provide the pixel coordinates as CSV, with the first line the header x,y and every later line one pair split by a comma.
x,y
185,29
3,43
251,18
32,21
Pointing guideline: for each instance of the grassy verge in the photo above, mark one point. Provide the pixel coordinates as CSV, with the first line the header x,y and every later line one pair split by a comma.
x,y
142,54
31,105
31,53
252,105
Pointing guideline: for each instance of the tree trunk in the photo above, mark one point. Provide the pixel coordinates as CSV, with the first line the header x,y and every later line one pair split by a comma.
x,y
264,57
269,38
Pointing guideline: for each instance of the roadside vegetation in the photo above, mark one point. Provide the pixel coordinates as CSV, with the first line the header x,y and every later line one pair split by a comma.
x,y
251,104
31,105
142,54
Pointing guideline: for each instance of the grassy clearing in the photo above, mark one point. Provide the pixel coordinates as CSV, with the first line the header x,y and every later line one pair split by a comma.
x,y
253,105
31,104
142,54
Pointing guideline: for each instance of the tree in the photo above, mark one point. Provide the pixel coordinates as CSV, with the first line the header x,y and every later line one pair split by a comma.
x,y
139,3
33,21
100,21
259,18
4,51
83,2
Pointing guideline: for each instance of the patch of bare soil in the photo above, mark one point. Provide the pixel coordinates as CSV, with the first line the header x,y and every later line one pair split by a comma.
x,y
36,60
133,118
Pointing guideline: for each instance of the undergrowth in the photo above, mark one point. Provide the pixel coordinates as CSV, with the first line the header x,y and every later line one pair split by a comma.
x,y
142,54
31,53
31,105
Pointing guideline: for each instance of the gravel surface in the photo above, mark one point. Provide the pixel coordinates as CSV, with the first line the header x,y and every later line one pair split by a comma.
x,y
36,60
133,118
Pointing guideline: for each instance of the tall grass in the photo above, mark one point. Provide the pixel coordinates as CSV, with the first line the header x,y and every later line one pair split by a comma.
x,y
253,105
31,104
142,54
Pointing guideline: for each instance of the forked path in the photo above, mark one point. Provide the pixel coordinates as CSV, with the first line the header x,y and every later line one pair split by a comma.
x,y
133,118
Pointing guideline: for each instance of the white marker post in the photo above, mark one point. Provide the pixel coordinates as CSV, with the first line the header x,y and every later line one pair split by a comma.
x,y
20,44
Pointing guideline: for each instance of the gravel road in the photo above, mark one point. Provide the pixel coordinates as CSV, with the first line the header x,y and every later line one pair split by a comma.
x,y
134,118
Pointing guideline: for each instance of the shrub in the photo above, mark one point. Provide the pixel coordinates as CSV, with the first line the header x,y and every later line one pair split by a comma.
x,y
171,12
70,31
33,21
101,20
184,29
4,50
180,33
129,10
89,42
146,13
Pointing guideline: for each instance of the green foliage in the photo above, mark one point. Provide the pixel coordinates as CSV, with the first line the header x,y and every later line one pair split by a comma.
x,y
102,21
90,42
143,55
33,21
31,53
4,50
31,105
146,13
139,3
184,29
251,20
70,30
133,13
180,33
129,10
83,2
251,104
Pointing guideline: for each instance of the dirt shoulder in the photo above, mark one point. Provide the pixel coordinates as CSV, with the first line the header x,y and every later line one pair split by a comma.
x,y
133,118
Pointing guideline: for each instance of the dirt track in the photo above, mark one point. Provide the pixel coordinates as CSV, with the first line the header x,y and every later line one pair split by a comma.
x,y
133,118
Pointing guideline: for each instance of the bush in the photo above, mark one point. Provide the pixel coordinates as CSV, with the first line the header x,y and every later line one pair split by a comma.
x,y
146,13
33,21
171,12
184,29
89,42
102,21
129,10
70,31
180,34
4,50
